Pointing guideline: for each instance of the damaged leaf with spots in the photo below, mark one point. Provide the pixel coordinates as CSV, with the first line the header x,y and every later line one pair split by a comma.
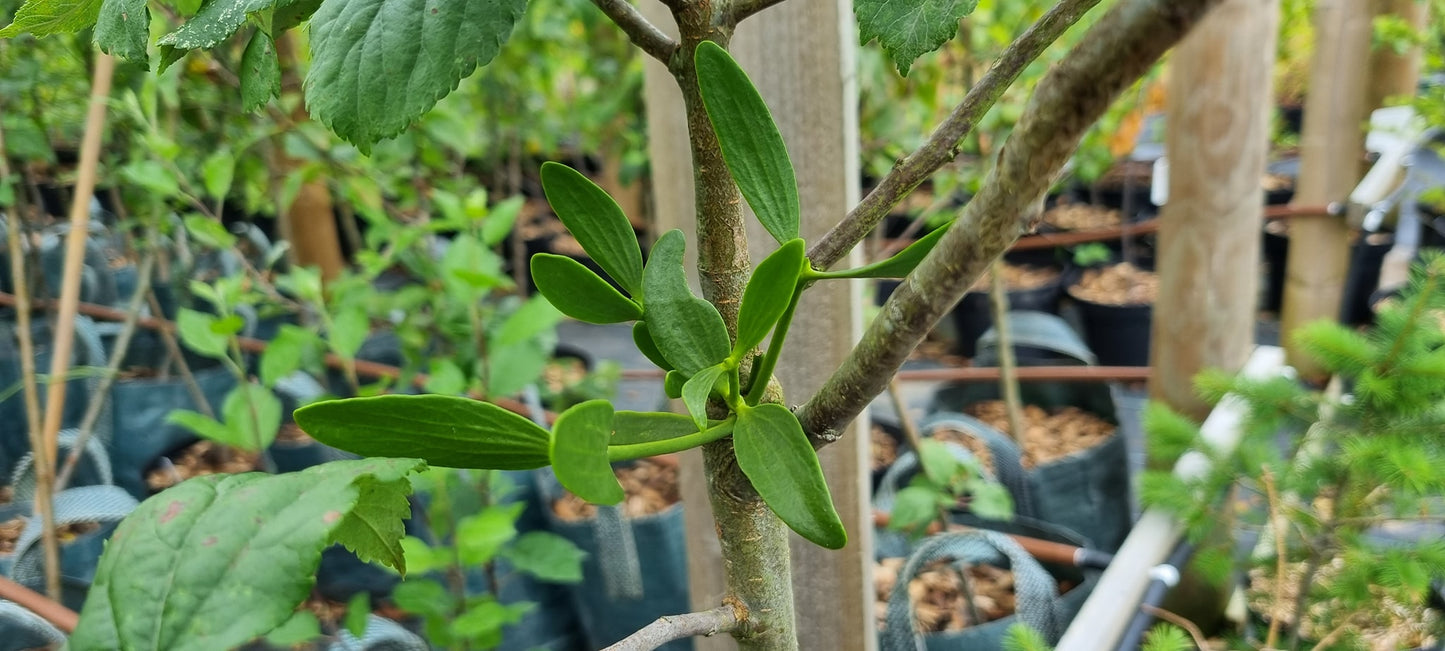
x,y
220,560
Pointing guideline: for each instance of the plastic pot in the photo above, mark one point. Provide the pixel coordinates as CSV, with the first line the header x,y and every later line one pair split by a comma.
x,y
1119,335
141,433
87,351
1274,248
973,315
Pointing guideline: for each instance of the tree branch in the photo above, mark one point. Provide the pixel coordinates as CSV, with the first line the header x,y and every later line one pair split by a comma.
x,y
722,619
743,9
1113,55
942,146
642,33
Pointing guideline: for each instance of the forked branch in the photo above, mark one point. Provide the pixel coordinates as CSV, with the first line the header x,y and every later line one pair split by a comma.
x,y
1114,54
943,145
643,34
722,619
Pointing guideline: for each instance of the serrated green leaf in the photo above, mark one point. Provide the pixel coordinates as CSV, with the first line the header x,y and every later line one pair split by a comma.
x,y
579,452
291,14
216,21
908,29
44,17
168,55
349,330
446,431
252,415
220,560
632,427
777,458
197,334
122,28
901,264
913,508
547,557
483,622
688,331
378,65
642,338
767,296
696,390
287,353
597,222
209,232
579,293
373,530
260,72
217,172
358,613
751,144
302,627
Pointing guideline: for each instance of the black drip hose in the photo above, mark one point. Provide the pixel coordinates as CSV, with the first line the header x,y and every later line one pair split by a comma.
x,y
1165,576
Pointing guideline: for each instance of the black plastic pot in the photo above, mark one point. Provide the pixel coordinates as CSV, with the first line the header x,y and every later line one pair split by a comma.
x,y
141,434
1274,248
973,315
1118,334
1366,258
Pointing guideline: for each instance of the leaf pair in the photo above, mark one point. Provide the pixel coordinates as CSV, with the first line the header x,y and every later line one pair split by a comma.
x,y
604,232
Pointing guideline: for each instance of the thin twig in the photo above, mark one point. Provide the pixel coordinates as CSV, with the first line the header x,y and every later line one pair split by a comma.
x,y
643,34
112,371
1182,622
1277,521
905,419
943,144
1008,375
744,9
723,619
1334,635
44,465
1114,54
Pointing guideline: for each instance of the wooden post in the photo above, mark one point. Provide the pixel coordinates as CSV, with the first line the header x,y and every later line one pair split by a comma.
x,y
1393,74
1219,115
1331,146
801,56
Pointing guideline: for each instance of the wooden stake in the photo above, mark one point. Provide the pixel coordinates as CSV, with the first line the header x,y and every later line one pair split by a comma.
x,y
1331,147
1008,376
69,299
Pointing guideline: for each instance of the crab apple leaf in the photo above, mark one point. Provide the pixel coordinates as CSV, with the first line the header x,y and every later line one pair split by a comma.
x,y
547,557
446,431
688,331
373,530
696,390
776,456
123,29
642,338
45,17
908,29
253,416
768,294
220,560
597,222
215,22
378,65
579,293
260,72
579,452
751,145
901,264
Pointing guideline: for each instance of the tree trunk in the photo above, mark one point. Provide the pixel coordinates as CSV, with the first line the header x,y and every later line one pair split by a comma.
x,y
1331,147
1393,74
1219,115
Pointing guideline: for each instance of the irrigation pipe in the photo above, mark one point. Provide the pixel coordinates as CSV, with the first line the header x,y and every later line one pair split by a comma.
x,y
54,612
1163,577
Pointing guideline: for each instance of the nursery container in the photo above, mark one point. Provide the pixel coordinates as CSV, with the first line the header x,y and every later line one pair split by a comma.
x,y
86,351
1119,335
79,557
635,570
141,434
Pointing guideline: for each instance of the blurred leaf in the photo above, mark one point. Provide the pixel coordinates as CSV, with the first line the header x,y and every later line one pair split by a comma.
x,y
481,536
122,29
217,172
349,329
260,72
547,557
252,415
446,378
358,612
198,334
152,177
209,232
301,628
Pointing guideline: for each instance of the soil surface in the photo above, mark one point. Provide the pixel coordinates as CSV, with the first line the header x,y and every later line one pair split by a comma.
x,y
1081,217
1018,278
1050,435
201,458
1389,626
651,487
884,448
938,597
1120,284
10,532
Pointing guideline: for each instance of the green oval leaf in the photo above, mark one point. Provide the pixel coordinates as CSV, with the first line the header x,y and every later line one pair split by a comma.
x,y
642,338
220,560
579,293
901,264
579,452
751,144
696,391
447,431
633,427
378,65
776,456
672,384
768,294
688,331
597,222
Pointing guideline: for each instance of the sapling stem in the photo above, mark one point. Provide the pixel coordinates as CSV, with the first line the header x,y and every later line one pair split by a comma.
x,y
669,446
